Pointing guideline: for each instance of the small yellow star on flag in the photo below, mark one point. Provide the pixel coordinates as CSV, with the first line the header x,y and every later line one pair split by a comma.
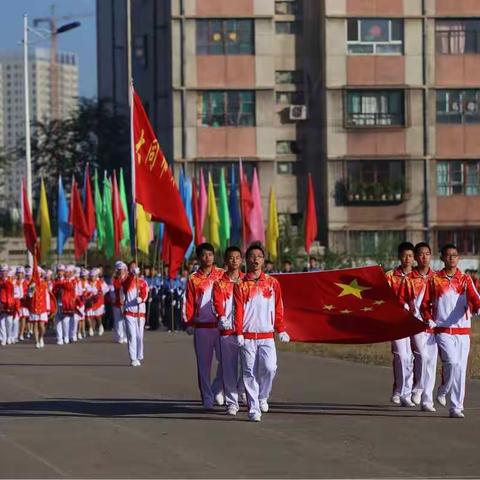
x,y
328,307
353,288
346,311
379,302
367,309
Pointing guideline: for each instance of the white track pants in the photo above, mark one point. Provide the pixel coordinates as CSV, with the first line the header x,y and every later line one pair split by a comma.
x,y
6,324
119,323
402,367
11,320
259,363
232,383
62,328
16,327
73,327
207,341
429,368
135,327
420,356
454,350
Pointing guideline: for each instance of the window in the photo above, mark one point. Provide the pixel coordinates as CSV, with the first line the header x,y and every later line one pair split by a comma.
x,y
294,77
374,36
289,28
457,37
290,98
226,109
375,108
291,7
286,168
225,37
372,242
215,169
287,147
140,52
458,106
467,241
458,178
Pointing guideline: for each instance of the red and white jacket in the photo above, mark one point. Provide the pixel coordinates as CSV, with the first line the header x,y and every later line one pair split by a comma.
x,y
115,292
41,301
197,304
19,292
395,279
134,288
412,290
8,303
94,293
258,307
450,301
64,290
222,299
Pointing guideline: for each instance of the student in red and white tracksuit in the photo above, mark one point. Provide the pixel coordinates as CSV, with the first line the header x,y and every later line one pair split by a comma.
x,y
222,301
64,290
40,307
401,348
134,294
201,322
258,313
95,290
81,275
449,301
115,289
21,287
8,305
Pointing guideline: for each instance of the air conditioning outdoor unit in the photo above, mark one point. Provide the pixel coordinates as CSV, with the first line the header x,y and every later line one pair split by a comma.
x,y
297,112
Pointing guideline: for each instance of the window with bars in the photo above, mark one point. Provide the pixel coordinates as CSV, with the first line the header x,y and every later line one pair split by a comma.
x,y
372,242
466,240
288,28
457,36
283,77
374,36
455,177
234,108
375,108
291,7
290,98
458,106
215,168
225,37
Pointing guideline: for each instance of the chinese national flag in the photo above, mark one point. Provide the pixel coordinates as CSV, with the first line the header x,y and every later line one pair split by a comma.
x,y
155,188
354,305
76,219
29,231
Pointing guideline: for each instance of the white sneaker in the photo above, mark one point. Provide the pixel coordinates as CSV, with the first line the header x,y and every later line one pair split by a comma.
x,y
135,363
21,337
264,405
90,332
416,397
442,400
232,410
9,341
255,417
428,408
66,341
125,340
100,330
243,398
4,342
395,399
457,414
42,343
59,342
219,399
74,339
37,345
406,402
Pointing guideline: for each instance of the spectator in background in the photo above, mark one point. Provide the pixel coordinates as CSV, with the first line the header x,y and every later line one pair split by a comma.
x,y
269,267
313,265
287,267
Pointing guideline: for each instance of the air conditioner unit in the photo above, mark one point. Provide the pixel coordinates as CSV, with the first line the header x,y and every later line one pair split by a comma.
x,y
297,112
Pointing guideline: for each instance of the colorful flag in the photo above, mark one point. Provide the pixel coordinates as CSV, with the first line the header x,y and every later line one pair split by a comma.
x,y
44,217
273,231
29,231
196,214
354,305
78,222
202,203
99,213
212,223
126,223
152,176
108,217
118,215
246,205
310,216
64,230
235,220
88,204
223,212
142,229
257,227
185,188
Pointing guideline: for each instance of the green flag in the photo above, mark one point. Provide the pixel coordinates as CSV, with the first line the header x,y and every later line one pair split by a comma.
x,y
99,213
126,223
223,213
108,217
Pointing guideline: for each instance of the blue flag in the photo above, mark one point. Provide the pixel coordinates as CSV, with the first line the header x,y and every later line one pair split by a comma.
x,y
64,228
185,189
234,208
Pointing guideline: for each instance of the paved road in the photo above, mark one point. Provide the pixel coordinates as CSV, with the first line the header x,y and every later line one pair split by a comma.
x,y
81,411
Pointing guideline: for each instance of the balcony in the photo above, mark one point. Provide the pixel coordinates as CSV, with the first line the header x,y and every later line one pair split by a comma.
x,y
351,193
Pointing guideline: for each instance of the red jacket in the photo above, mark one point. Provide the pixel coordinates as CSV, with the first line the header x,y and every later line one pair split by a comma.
x,y
8,302
64,291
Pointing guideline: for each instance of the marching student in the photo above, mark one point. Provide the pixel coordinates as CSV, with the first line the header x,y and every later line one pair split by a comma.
x,y
449,301
115,291
201,322
12,333
64,289
95,291
134,294
80,290
222,301
7,305
401,348
258,313
21,287
41,306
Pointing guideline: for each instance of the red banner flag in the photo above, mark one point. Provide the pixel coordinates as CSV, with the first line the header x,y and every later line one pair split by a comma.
x,y
29,231
196,214
89,205
155,187
118,215
76,218
354,305
246,206
311,228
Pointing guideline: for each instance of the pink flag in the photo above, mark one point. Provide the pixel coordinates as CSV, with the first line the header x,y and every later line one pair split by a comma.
x,y
203,203
257,229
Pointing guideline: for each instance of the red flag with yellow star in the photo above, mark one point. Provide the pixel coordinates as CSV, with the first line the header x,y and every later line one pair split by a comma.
x,y
354,305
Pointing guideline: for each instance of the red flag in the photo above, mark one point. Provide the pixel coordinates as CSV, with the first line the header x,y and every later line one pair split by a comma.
x,y
311,228
155,187
166,249
246,206
354,305
29,231
118,215
76,218
89,205
196,214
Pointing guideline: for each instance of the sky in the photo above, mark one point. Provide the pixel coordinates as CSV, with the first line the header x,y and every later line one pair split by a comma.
x,y
81,41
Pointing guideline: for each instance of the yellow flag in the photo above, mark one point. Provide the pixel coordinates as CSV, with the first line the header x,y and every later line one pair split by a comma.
x,y
143,228
212,232
45,230
272,233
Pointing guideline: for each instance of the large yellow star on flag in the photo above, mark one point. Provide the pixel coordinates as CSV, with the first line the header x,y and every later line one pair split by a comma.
x,y
353,288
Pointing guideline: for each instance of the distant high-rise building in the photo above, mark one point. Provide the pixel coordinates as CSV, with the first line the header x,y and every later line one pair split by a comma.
x,y
12,101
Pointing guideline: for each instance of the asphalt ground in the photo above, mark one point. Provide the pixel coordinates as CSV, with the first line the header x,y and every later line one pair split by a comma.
x,y
80,411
